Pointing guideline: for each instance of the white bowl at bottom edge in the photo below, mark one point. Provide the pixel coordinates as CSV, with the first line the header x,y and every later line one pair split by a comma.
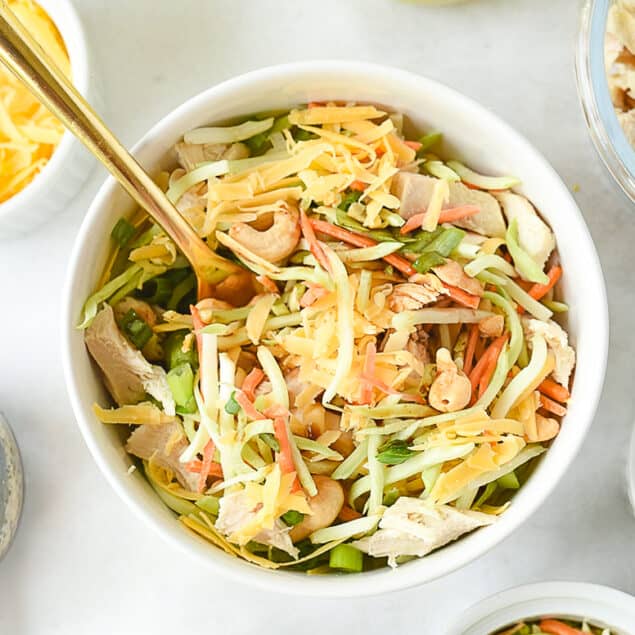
x,y
600,605
54,188
484,142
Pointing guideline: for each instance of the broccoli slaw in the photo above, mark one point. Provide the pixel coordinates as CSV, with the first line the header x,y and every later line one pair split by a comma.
x,y
381,376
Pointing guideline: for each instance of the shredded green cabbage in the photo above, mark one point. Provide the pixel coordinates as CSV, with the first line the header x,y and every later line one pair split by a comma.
x,y
228,134
525,264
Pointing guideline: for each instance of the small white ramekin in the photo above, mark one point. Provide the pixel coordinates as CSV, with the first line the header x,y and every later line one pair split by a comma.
x,y
54,188
470,132
599,605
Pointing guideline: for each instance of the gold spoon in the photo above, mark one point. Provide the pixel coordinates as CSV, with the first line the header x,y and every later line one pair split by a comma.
x,y
31,64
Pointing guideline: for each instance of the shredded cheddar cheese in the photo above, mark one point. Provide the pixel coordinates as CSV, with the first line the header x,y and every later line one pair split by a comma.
x,y
29,133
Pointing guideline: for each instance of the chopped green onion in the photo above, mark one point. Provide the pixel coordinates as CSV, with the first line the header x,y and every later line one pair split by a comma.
x,y
258,143
292,518
157,290
509,481
394,452
270,440
174,354
136,329
523,262
180,291
302,135
232,407
181,383
280,124
346,558
391,495
348,199
426,261
447,241
122,232
490,488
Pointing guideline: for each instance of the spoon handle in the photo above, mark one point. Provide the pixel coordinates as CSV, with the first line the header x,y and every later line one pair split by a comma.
x,y
30,63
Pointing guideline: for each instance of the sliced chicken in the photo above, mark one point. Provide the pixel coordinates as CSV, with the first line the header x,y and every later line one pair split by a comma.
x,y
236,512
558,343
415,190
127,373
411,527
163,444
418,344
534,235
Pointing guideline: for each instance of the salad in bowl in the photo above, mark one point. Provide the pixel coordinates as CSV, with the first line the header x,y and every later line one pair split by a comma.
x,y
382,374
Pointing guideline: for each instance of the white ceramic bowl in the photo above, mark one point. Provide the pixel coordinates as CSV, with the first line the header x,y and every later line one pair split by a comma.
x,y
599,605
53,189
484,142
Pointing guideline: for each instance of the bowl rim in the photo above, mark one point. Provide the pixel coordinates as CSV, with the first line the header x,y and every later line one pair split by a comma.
x,y
607,135
374,582
549,598
65,17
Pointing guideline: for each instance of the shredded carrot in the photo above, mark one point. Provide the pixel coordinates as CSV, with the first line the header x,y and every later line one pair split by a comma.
x,y
450,215
399,263
315,104
208,462
268,283
554,390
284,457
556,627
463,297
415,145
470,349
314,244
251,382
552,406
490,366
312,294
247,405
538,291
492,352
453,214
368,371
358,186
348,513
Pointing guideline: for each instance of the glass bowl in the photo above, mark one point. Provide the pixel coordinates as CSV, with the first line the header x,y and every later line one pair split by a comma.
x,y
610,142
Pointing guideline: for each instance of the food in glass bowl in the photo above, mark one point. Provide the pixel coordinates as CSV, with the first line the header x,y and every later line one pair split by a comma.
x,y
620,63
381,377
29,133
551,626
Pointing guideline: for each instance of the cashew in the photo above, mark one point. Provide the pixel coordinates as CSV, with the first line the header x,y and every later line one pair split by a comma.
x,y
275,243
451,390
546,429
325,505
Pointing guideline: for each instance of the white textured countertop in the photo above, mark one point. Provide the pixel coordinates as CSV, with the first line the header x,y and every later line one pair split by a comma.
x,y
82,563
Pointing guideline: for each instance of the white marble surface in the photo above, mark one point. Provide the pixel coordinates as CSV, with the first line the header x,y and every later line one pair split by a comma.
x,y
81,562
